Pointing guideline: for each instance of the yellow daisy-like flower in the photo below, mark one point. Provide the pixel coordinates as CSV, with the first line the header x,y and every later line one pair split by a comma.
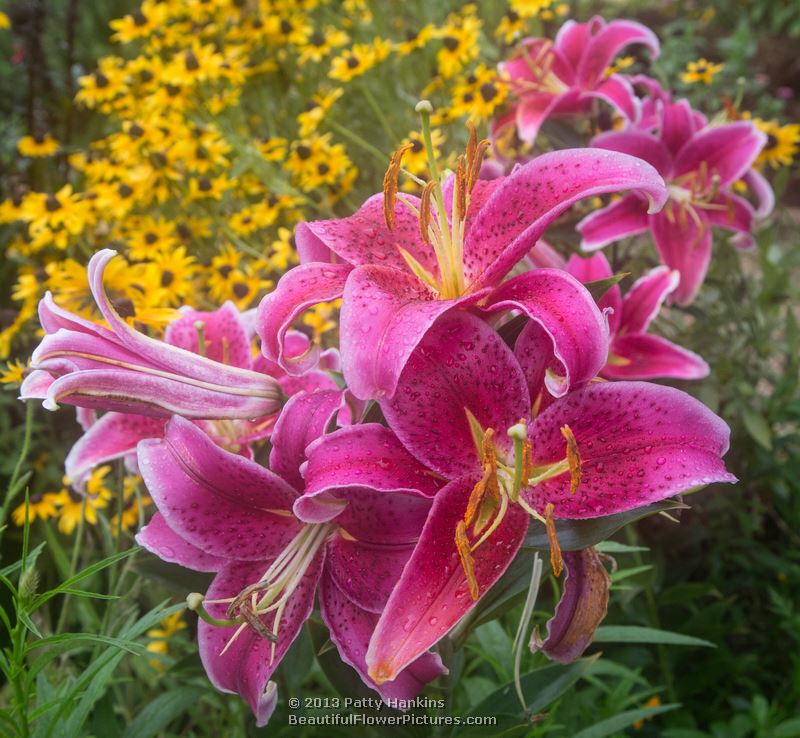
x,y
316,110
511,27
159,643
782,143
415,40
624,62
322,317
415,159
701,70
41,506
321,43
459,44
273,148
14,373
38,145
174,272
478,94
140,24
73,506
529,8
283,251
358,59
5,21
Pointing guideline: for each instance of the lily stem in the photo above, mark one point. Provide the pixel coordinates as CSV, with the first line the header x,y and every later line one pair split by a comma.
x,y
73,565
15,475
524,623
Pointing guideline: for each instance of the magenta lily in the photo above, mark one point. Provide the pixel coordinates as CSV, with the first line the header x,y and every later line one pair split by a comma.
x,y
85,364
700,166
397,277
227,339
223,513
634,353
461,408
563,78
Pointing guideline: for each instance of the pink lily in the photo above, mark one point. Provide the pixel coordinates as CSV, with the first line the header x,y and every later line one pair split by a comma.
x,y
398,277
223,513
85,364
226,338
700,166
634,353
461,408
562,78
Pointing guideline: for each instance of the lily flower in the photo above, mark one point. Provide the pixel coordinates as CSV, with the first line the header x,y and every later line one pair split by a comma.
x,y
700,167
402,262
634,353
564,77
118,368
220,512
463,409
223,336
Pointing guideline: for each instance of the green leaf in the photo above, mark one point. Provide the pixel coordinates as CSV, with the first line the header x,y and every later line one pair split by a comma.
x,y
32,557
623,720
758,428
621,574
638,634
76,640
574,535
542,686
787,729
614,547
162,711
599,287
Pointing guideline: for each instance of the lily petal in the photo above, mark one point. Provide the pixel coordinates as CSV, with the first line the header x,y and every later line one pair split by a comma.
x,y
351,628
535,194
433,594
582,607
594,269
734,213
638,442
763,192
566,311
113,436
247,665
608,42
678,125
297,290
158,538
222,503
618,93
652,357
645,298
639,144
461,364
385,314
224,335
621,219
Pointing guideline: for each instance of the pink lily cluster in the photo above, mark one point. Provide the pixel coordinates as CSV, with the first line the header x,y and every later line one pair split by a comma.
x,y
398,501
701,161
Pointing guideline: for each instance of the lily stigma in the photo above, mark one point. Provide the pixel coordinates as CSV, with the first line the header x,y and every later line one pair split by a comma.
x,y
271,593
444,235
501,485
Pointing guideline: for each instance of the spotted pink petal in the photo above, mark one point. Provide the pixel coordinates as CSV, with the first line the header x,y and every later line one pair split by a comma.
x,y
364,477
158,538
534,109
535,194
594,269
543,255
297,290
460,364
639,144
366,573
218,501
644,300
571,41
224,334
582,607
351,628
364,238
566,311
621,219
728,151
246,667
432,594
303,419
652,357
734,214
385,314
684,246
639,443
113,436
606,42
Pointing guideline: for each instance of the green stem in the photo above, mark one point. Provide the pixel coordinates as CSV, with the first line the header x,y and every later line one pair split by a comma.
x,y
376,108
525,621
73,565
359,141
15,475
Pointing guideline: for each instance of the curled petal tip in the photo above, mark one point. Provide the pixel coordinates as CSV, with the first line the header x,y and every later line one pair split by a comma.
x,y
381,673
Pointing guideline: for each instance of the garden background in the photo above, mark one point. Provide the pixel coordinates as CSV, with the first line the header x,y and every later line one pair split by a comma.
x,y
198,173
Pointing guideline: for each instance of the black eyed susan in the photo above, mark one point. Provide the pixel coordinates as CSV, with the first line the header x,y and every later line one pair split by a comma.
x,y
702,71
38,145
782,143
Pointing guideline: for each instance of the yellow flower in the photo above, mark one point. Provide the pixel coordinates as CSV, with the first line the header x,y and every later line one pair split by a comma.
x,y
150,237
415,40
624,62
654,701
140,23
701,70
37,145
159,643
174,272
321,318
459,44
42,506
273,148
14,373
320,43
5,21
316,110
478,94
415,159
511,27
358,59
782,143
530,8
73,506
283,250
315,161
